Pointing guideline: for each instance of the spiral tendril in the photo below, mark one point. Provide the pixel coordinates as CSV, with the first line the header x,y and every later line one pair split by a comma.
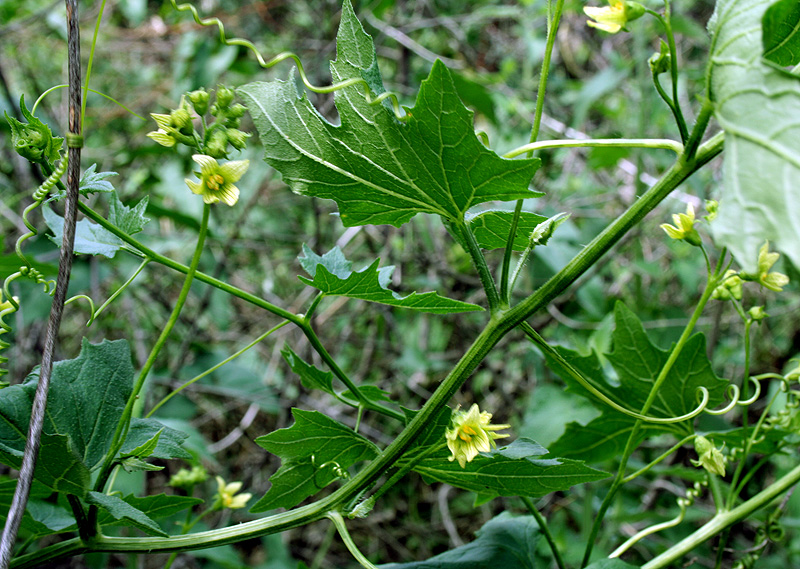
x,y
683,503
39,196
241,42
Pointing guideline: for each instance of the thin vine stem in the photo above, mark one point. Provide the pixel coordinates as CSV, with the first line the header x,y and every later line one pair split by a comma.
x,y
545,529
630,446
124,423
553,22
664,143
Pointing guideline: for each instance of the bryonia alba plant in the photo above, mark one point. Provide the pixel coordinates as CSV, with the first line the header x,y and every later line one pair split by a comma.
x,y
658,412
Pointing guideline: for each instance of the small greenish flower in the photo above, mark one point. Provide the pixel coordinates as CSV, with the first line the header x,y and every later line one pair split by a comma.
x,y
613,17
227,494
237,138
471,432
757,313
773,281
216,180
165,133
710,457
684,227
186,479
729,288
712,207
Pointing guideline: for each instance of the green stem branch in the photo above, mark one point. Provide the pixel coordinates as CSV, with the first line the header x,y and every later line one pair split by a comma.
x,y
664,143
545,529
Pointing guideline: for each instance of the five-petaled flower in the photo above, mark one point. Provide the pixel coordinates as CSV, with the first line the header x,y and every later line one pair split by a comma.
x,y
773,281
216,180
710,457
684,227
471,432
613,17
227,494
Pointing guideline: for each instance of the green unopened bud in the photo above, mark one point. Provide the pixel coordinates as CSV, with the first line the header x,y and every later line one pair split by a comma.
x,y
544,231
634,11
237,138
181,119
33,140
236,111
710,457
217,145
186,479
712,207
199,99
660,62
224,97
730,288
757,313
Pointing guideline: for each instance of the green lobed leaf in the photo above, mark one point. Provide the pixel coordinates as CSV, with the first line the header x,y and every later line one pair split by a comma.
x,y
331,273
129,219
512,470
781,33
378,170
91,181
168,444
503,541
314,451
123,512
310,376
155,506
637,363
758,106
491,228
90,238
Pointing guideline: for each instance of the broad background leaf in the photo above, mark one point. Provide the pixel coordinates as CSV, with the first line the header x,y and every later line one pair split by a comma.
x,y
502,542
378,170
758,106
331,273
123,512
637,362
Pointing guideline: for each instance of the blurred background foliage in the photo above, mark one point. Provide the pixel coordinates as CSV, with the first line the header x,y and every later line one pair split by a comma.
x,y
148,55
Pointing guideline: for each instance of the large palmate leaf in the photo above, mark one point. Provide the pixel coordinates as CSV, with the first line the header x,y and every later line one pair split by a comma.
x,y
758,106
333,275
314,451
513,470
637,363
504,541
377,169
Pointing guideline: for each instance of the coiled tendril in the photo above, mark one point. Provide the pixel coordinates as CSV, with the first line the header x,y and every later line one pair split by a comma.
x,y
240,42
39,196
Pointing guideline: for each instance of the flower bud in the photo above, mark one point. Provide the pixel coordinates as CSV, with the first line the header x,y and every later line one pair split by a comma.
x,y
33,140
757,313
217,144
199,99
660,62
181,119
237,138
224,97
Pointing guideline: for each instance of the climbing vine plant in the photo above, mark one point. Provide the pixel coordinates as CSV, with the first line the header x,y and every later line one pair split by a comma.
x,y
383,164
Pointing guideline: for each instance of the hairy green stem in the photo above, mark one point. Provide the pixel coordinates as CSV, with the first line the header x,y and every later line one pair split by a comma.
x,y
341,527
545,529
479,261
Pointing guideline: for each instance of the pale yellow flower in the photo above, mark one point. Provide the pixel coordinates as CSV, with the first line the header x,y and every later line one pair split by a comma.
x,y
773,281
227,494
216,180
684,227
471,432
710,457
613,17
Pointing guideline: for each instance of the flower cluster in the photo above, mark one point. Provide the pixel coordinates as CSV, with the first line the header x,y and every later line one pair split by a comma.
x,y
471,432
